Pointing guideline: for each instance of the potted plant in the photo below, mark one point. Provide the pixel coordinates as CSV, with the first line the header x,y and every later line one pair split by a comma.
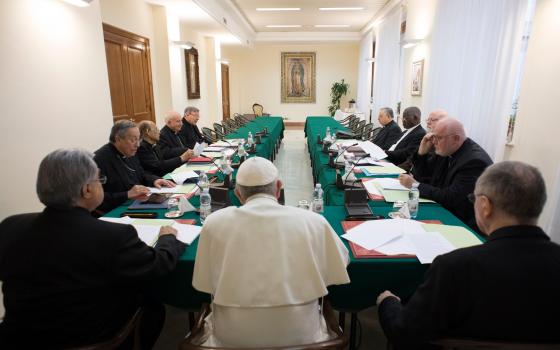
x,y
338,90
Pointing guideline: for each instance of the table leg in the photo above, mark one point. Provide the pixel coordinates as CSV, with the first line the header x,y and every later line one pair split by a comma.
x,y
353,322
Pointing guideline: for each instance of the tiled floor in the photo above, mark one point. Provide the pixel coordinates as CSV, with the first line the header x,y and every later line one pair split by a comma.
x,y
295,171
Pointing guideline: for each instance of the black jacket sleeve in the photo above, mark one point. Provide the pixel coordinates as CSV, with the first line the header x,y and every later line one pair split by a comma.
x,y
402,152
150,162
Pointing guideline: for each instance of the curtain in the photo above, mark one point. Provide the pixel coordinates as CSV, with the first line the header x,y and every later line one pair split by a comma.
x,y
387,58
475,53
364,74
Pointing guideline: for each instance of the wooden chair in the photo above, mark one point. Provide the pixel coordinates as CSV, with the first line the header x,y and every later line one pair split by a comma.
x,y
210,134
366,133
241,120
258,110
374,133
338,342
121,336
457,343
219,130
229,126
347,119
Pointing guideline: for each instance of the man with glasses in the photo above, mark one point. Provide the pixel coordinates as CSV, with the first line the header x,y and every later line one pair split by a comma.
x,y
126,179
505,289
151,155
189,131
390,132
450,176
69,279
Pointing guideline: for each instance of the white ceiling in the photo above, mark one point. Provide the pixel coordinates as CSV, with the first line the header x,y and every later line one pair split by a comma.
x,y
309,15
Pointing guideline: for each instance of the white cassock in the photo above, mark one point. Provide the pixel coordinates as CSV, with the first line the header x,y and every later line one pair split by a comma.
x,y
266,265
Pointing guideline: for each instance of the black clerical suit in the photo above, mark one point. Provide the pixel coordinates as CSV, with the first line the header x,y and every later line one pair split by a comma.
x,y
70,279
122,174
191,135
172,145
407,146
505,289
452,179
151,159
388,135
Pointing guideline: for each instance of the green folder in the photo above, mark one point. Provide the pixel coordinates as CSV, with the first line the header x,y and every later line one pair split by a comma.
x,y
397,195
372,170
458,236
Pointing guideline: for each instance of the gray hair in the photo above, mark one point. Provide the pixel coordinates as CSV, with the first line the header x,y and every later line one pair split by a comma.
x,y
248,191
119,129
388,112
190,110
62,174
515,188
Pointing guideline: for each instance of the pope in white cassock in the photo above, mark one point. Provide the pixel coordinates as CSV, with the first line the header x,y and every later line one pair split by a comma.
x,y
266,265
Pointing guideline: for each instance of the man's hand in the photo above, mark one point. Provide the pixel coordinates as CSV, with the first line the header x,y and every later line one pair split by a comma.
x,y
167,230
187,155
426,145
138,192
406,180
159,183
385,295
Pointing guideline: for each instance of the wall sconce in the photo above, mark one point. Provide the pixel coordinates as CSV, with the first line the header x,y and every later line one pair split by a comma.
x,y
410,43
79,3
184,44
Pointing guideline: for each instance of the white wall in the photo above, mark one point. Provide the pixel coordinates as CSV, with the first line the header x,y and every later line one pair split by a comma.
x,y
146,20
537,123
255,77
54,90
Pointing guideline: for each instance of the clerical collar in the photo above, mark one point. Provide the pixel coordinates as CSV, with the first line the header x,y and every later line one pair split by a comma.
x,y
116,150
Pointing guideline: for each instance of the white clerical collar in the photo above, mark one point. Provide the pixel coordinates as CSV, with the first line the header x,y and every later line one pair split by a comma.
x,y
402,137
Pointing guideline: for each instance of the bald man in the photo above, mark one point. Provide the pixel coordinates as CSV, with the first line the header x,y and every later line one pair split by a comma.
x,y
171,142
450,176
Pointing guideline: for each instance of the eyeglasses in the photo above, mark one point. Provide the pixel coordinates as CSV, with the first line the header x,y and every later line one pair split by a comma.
x,y
102,179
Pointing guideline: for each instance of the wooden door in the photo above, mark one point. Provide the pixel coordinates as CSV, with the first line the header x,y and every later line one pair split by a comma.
x,y
130,75
225,91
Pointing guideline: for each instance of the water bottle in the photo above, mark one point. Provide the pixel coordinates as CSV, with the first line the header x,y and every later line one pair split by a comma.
x,y
250,139
241,149
318,199
328,134
413,197
205,206
203,180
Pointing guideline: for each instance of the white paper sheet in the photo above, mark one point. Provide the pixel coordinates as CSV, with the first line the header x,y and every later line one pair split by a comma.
x,y
198,149
390,184
401,245
372,161
371,188
374,150
372,234
213,149
187,233
179,178
148,233
124,220
429,245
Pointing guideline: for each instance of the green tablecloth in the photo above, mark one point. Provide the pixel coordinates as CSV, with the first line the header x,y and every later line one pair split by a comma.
x,y
269,146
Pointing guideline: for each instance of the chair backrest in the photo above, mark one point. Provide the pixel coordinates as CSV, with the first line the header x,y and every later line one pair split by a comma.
x,y
453,343
338,342
229,126
366,133
258,109
352,123
209,134
219,130
350,119
359,127
121,336
374,133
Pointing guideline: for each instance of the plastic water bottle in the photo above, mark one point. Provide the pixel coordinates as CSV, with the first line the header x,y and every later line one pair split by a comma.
x,y
250,139
203,180
318,199
413,197
241,149
328,134
205,205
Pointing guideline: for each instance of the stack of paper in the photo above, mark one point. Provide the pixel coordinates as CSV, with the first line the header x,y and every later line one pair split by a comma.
x,y
382,170
195,167
374,151
124,220
181,177
213,149
182,189
390,184
376,233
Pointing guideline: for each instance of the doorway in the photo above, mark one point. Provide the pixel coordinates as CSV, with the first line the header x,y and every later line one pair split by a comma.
x,y
225,91
130,75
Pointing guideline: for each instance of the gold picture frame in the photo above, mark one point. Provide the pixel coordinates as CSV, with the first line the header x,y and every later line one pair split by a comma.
x,y
298,77
193,79
417,77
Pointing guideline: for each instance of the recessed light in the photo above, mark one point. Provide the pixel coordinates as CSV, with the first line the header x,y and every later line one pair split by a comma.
x,y
331,26
284,26
341,8
278,9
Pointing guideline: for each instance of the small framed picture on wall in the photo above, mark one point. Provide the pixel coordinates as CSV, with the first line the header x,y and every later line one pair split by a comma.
x,y
417,77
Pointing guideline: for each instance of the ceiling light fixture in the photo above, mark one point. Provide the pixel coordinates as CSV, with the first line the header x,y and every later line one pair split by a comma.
x,y
184,44
331,26
283,26
278,9
79,3
341,8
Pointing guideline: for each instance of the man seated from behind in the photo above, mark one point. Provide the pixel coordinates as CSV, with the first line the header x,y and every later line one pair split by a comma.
x,y
69,279
409,140
450,176
505,289
126,179
150,153
171,141
266,265
390,132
